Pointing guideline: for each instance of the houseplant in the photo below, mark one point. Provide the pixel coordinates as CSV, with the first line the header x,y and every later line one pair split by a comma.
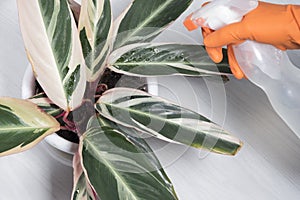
x,y
68,62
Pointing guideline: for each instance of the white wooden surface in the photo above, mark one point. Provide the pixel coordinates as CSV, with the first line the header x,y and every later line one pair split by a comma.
x,y
267,167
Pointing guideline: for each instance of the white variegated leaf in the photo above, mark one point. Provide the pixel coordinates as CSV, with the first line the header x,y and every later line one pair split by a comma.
x,y
95,25
145,59
22,125
53,48
44,103
122,167
143,20
162,119
82,189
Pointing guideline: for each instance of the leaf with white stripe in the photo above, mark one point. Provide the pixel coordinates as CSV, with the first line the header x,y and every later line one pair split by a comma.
x,y
82,190
53,48
95,24
165,120
130,132
44,103
145,19
22,125
166,59
118,167
135,136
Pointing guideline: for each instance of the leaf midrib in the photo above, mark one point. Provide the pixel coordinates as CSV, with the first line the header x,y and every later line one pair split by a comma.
x,y
171,62
150,63
166,63
189,66
22,128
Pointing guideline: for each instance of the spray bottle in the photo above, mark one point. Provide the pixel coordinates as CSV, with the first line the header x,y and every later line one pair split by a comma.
x,y
264,65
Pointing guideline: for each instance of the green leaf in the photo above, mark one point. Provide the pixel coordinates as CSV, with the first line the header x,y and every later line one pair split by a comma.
x,y
53,48
145,19
166,59
165,120
22,125
120,167
95,28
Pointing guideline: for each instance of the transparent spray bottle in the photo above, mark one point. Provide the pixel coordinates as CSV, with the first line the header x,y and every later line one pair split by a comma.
x,y
264,65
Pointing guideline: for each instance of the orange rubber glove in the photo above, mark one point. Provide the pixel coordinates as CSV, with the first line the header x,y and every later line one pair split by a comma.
x,y
278,25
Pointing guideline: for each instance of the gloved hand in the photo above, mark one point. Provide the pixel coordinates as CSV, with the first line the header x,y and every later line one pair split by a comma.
x,y
278,25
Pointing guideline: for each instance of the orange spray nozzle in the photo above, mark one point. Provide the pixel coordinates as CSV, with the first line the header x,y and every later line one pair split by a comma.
x,y
189,24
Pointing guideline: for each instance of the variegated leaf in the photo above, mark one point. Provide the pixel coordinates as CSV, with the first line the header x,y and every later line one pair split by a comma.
x,y
22,125
95,27
82,190
130,132
144,20
44,103
166,59
119,167
53,48
165,120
